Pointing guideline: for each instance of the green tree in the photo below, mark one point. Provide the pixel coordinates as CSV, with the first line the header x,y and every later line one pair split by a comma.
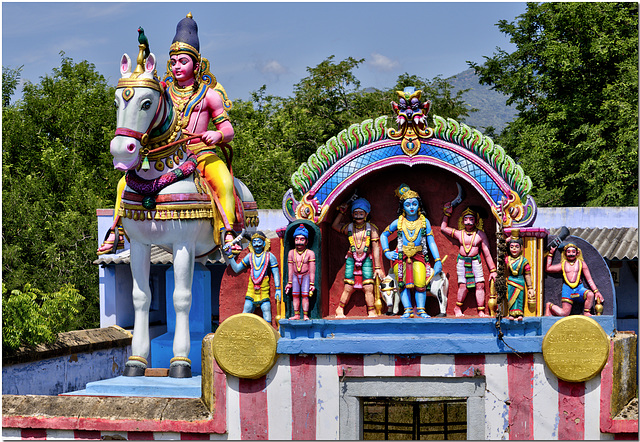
x,y
56,172
574,80
274,135
31,317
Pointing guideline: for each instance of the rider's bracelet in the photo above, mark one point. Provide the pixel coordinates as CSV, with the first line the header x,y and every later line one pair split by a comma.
x,y
222,135
385,250
437,259
377,268
492,270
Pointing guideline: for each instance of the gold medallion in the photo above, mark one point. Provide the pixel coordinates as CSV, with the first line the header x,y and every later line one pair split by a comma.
x,y
245,345
575,348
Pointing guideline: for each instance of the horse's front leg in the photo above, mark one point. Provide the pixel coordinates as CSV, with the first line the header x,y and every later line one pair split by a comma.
x,y
183,266
141,294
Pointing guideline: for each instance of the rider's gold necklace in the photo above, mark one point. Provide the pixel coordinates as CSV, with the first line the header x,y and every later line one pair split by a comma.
x,y
464,245
303,255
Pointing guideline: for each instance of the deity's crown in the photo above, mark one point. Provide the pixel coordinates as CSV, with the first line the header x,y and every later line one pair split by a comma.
x,y
404,192
186,39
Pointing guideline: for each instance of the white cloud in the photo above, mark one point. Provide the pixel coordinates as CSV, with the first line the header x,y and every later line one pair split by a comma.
x,y
381,63
272,67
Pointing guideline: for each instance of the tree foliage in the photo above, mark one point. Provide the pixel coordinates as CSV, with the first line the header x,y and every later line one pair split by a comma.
x,y
574,80
274,135
31,317
56,171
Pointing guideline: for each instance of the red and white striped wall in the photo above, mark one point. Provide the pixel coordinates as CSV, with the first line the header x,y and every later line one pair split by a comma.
x,y
299,399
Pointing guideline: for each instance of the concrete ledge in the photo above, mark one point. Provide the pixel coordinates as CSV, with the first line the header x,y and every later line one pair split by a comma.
x,y
417,336
73,342
108,414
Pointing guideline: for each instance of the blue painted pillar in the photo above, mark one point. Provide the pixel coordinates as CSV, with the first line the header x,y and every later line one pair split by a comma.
x,y
199,320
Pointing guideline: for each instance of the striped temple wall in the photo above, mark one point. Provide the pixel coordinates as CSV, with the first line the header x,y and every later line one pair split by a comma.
x,y
300,399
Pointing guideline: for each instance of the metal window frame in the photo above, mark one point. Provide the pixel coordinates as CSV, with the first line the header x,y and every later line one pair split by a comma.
x,y
354,390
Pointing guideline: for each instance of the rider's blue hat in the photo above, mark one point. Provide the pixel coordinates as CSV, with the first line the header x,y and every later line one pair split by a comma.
x,y
186,40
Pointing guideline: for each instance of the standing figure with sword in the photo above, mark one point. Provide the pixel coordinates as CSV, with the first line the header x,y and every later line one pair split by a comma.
x,y
363,258
472,241
196,103
410,260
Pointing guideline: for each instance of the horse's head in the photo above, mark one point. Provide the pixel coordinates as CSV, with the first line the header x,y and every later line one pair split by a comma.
x,y
138,98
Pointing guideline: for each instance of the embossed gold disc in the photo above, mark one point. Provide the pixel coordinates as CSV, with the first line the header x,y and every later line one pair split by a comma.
x,y
575,348
244,345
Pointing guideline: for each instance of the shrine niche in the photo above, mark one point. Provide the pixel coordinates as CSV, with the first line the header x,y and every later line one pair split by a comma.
x,y
371,160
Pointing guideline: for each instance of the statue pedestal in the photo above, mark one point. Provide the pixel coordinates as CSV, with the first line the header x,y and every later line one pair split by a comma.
x,y
142,386
199,321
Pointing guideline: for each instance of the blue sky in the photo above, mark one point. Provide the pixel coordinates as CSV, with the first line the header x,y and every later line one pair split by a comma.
x,y
251,44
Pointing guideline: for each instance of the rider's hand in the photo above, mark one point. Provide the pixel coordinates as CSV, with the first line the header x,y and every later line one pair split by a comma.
x,y
437,267
278,294
211,137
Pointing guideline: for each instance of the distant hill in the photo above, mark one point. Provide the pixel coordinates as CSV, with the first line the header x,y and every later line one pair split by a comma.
x,y
492,105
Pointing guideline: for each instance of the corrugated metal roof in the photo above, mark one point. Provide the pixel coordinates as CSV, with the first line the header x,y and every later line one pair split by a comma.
x,y
158,256
162,256
612,244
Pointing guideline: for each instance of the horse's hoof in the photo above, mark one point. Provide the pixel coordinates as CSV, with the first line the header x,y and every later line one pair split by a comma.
x,y
180,371
133,370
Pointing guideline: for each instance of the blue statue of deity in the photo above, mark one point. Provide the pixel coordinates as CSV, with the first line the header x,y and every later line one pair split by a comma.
x,y
260,260
410,260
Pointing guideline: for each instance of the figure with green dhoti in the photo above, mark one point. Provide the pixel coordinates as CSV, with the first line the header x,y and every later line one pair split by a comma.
x,y
518,273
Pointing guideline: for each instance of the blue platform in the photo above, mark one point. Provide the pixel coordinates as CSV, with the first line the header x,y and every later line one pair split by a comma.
x,y
142,386
417,336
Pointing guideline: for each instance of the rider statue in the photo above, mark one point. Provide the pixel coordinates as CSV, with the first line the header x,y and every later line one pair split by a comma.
x,y
195,102
410,260
363,254
260,260
469,266
301,272
572,267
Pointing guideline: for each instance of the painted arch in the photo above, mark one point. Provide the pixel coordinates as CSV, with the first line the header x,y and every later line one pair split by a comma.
x,y
370,146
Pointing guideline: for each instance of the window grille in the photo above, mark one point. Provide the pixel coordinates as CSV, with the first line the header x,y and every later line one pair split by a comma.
x,y
392,418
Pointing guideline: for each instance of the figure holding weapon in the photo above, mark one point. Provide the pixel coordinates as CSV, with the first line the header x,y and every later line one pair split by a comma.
x,y
472,241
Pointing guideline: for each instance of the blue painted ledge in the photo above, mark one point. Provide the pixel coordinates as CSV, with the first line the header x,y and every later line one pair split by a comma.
x,y
417,336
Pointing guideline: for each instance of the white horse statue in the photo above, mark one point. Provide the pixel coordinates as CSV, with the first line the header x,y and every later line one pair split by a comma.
x,y
165,204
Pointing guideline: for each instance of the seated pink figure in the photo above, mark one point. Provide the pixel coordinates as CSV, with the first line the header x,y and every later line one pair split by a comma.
x,y
302,272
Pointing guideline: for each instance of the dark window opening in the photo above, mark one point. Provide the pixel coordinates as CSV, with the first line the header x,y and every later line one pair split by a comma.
x,y
414,418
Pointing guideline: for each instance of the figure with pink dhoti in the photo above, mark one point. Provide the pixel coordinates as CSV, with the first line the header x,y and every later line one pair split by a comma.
x,y
472,241
301,273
